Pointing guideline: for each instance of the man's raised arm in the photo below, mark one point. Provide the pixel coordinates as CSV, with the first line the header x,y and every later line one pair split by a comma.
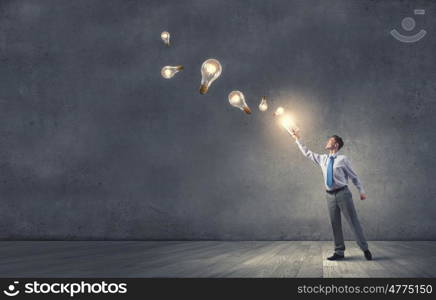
x,y
315,157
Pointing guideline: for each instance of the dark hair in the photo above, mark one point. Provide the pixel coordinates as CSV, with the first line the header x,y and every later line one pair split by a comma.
x,y
338,140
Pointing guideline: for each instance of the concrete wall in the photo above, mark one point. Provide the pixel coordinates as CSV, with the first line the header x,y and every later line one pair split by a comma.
x,y
95,144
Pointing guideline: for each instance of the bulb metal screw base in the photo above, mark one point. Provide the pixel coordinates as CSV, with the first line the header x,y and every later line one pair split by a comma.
x,y
247,110
203,89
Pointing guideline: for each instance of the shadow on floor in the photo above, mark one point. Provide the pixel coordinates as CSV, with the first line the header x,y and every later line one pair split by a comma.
x,y
358,258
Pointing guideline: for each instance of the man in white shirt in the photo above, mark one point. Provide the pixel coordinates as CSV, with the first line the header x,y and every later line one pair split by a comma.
x,y
336,169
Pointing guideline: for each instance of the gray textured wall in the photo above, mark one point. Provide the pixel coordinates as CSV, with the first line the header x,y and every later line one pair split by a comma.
x,y
94,144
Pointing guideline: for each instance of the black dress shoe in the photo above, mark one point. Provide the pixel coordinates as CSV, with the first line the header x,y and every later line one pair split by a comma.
x,y
368,255
336,257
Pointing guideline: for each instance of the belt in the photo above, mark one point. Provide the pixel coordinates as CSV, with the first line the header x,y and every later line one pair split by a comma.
x,y
336,190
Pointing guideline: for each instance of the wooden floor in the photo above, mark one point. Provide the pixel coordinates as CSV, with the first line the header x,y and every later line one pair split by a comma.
x,y
212,259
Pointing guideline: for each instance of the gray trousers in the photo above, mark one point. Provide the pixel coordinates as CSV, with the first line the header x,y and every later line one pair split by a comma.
x,y
342,201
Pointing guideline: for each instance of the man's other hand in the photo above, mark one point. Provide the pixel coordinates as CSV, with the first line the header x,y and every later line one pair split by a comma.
x,y
362,196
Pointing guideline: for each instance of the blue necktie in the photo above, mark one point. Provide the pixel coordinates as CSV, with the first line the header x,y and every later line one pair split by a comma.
x,y
330,172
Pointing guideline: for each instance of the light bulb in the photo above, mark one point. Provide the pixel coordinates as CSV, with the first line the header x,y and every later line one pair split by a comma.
x,y
279,111
210,71
165,36
288,123
237,99
168,72
263,106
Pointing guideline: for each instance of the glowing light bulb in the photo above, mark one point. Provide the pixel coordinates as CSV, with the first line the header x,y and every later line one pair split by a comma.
x,y
168,72
288,123
210,71
279,111
263,106
165,36
237,99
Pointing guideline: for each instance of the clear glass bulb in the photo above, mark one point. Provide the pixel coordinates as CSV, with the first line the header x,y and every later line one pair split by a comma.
x,y
279,111
288,122
237,99
165,36
210,71
263,106
168,72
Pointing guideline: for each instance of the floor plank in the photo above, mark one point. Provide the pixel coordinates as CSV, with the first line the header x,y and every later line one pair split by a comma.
x,y
213,259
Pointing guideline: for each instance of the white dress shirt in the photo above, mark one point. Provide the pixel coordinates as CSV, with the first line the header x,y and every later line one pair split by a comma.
x,y
342,169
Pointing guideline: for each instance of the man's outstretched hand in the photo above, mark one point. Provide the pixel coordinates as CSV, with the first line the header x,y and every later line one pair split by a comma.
x,y
362,196
295,132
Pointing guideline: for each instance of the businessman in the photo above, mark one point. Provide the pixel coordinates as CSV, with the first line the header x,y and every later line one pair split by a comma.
x,y
336,169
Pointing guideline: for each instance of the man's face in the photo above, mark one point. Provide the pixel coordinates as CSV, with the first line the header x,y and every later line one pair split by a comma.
x,y
331,144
